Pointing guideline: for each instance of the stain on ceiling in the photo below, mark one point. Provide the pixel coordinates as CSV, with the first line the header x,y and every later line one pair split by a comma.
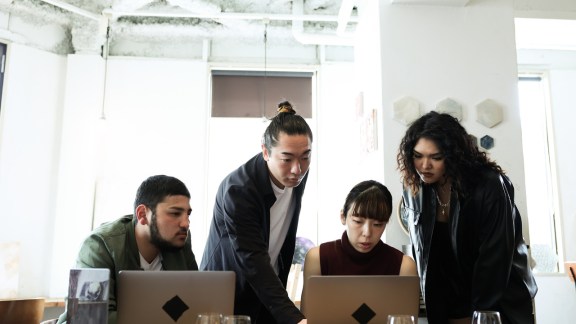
x,y
95,26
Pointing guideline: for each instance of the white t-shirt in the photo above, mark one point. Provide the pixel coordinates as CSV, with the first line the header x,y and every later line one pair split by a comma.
x,y
155,265
280,217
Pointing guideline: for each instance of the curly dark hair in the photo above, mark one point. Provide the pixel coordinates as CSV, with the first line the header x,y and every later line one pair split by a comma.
x,y
463,160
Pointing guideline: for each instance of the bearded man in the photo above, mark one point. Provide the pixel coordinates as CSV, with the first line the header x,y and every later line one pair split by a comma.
x,y
156,237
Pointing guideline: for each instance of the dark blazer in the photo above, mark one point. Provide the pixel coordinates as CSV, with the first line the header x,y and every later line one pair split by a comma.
x,y
238,240
486,238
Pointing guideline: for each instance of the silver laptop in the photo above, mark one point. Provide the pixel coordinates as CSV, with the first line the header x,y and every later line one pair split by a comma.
x,y
360,299
173,296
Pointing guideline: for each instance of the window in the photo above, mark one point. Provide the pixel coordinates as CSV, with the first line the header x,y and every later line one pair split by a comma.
x,y
256,94
539,169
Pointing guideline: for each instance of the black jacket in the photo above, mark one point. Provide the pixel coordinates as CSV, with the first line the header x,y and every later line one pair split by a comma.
x,y
486,239
238,241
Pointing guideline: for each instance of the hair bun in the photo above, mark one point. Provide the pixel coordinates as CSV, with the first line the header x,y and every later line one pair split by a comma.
x,y
285,107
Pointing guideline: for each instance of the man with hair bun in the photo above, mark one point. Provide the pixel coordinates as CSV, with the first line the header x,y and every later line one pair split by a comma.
x,y
253,230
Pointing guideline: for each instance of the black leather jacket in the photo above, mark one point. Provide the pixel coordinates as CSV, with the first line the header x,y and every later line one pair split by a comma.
x,y
486,238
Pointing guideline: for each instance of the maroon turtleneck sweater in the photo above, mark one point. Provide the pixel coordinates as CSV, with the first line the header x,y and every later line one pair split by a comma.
x,y
340,258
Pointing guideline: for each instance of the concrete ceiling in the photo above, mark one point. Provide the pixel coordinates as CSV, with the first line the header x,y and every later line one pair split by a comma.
x,y
156,27
89,26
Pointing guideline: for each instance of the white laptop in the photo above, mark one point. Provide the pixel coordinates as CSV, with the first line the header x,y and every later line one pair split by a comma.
x,y
360,299
173,296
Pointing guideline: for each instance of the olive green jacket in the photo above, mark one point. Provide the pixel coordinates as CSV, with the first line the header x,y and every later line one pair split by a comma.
x,y
113,246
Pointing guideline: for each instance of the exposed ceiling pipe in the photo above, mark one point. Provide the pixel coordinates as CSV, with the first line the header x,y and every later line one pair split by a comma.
x,y
344,16
316,39
432,2
12,37
69,7
224,15
297,17
218,15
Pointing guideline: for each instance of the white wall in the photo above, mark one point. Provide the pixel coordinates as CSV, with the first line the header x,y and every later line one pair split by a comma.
x,y
151,120
155,124
29,144
77,166
157,115
339,151
435,52
369,82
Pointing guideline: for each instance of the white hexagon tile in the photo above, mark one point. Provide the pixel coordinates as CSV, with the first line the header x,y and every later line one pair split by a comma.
x,y
489,113
406,110
451,107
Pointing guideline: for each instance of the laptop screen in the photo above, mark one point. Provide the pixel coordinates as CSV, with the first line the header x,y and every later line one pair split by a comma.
x,y
360,299
173,296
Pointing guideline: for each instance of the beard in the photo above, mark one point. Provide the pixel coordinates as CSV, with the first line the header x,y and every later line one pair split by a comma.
x,y
157,240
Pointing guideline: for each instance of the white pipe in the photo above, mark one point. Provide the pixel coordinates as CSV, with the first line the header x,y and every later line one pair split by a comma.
x,y
432,2
224,15
297,17
69,7
206,50
344,16
314,39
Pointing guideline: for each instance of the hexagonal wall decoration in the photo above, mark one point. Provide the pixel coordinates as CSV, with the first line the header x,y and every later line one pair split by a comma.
x,y
451,107
406,110
487,142
489,113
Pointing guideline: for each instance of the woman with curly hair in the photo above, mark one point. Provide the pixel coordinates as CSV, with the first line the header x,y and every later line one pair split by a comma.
x,y
465,229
